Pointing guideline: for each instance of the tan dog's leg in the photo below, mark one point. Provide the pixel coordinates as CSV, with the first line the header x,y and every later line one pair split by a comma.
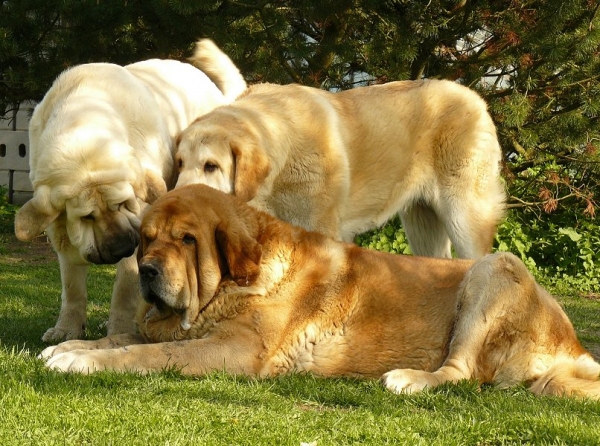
x,y
125,297
192,357
471,226
429,233
505,331
115,341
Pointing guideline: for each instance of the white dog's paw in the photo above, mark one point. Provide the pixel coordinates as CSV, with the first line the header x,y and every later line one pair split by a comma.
x,y
48,352
60,333
75,361
408,380
63,347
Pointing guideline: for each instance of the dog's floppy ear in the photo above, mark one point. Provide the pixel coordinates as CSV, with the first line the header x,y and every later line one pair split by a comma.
x,y
251,168
33,218
139,251
241,251
154,187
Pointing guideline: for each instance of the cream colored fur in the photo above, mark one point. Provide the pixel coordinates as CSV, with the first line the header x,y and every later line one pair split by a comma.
x,y
249,294
209,58
343,163
102,145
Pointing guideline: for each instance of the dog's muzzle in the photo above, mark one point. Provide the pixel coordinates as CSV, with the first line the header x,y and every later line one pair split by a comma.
x,y
150,273
116,249
151,283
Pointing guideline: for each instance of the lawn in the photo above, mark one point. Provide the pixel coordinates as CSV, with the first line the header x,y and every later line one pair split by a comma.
x,y
39,407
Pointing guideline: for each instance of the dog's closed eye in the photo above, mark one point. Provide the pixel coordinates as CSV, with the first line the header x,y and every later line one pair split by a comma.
x,y
210,167
188,239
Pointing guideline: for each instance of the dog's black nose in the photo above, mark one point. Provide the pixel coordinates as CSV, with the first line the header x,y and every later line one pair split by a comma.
x,y
149,271
124,250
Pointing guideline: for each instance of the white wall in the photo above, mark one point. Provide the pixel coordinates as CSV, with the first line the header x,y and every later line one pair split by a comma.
x,y
14,155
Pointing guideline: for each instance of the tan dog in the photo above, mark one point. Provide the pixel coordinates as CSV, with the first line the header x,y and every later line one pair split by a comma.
x,y
343,163
102,146
249,294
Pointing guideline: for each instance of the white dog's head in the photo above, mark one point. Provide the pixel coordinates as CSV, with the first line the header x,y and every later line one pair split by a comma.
x,y
92,209
223,152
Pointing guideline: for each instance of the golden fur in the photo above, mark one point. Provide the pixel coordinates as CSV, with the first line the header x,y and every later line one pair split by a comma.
x,y
102,144
249,294
343,163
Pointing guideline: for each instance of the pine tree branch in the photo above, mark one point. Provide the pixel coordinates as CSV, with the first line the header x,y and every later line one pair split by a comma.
x,y
276,45
591,22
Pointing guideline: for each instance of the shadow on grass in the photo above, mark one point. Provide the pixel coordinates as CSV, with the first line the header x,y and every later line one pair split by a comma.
x,y
30,300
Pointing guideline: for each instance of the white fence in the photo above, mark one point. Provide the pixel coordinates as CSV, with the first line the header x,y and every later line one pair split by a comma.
x,y
14,157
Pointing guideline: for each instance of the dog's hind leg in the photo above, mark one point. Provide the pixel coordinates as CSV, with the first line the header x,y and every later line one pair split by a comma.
x,y
425,232
479,311
471,226
508,330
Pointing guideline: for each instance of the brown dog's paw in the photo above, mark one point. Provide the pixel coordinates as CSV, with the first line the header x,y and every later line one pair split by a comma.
x,y
408,381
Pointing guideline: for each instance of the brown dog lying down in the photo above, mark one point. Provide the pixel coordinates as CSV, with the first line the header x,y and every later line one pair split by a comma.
x,y
249,294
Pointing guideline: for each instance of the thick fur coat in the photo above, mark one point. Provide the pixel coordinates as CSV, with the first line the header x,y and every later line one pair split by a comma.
x,y
343,163
230,288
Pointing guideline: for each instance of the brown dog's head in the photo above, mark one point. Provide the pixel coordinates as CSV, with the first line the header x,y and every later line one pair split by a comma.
x,y
192,239
223,151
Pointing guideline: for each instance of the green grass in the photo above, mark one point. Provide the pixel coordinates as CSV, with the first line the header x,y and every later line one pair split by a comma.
x,y
40,407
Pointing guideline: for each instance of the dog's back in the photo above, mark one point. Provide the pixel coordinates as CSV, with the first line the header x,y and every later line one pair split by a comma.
x,y
181,91
343,163
418,141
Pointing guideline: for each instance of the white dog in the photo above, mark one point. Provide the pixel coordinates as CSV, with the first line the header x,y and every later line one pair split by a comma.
x,y
343,163
102,143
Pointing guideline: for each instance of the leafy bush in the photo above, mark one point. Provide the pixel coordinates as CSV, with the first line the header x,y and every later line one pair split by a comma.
x,y
562,248
7,212
389,238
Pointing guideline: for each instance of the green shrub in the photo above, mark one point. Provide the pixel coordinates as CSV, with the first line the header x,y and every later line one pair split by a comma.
x,y
7,213
389,238
560,247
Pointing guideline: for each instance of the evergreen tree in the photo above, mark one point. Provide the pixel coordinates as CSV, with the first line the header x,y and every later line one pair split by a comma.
x,y
535,61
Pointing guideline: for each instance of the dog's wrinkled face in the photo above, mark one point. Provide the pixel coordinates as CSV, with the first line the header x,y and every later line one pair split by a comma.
x,y
204,156
191,239
97,224
103,223
178,261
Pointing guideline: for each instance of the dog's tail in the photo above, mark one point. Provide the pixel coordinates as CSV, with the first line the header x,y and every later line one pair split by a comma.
x,y
209,58
570,377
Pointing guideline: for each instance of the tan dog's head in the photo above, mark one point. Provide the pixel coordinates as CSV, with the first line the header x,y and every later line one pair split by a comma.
x,y
222,151
192,239
91,214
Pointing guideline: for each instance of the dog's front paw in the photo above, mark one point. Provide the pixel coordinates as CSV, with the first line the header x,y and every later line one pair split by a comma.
x,y
408,381
63,347
75,361
63,333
